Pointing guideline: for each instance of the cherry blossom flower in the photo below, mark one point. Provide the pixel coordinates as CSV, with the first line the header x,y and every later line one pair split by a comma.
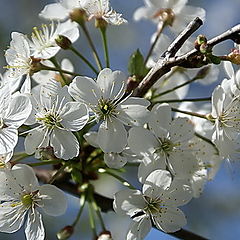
x,y
176,14
57,116
107,102
156,204
14,111
167,139
43,45
22,196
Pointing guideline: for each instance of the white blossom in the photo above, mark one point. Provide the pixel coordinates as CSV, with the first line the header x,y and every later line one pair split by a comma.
x,y
14,111
156,204
176,14
107,101
57,117
166,138
22,198
42,43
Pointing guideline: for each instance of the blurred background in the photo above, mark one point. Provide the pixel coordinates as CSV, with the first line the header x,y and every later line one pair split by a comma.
x,y
216,214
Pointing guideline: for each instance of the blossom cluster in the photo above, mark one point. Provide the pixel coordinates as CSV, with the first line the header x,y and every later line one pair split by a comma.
x,y
92,125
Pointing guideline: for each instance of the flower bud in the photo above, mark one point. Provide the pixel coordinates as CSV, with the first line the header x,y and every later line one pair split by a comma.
x,y
78,15
65,233
201,39
106,235
63,42
234,56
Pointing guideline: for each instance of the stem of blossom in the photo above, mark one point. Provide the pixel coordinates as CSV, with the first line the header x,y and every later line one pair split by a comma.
x,y
103,31
43,163
95,54
56,64
59,172
57,70
185,100
97,210
92,220
175,88
82,204
83,58
190,113
160,29
122,180
19,156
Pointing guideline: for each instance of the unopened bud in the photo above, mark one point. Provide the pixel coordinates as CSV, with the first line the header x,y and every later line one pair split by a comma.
x,y
63,42
234,56
201,39
106,235
78,15
204,48
65,233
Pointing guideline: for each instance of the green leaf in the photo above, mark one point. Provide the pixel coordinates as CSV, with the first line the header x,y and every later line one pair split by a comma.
x,y
136,66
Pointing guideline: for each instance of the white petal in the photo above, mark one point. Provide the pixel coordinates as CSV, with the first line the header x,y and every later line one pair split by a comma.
x,y
142,141
34,228
129,202
149,164
170,220
160,119
54,11
8,139
114,160
133,111
11,218
181,130
156,183
64,143
112,84
36,139
56,203
217,101
91,138
85,89
112,136
178,194
74,116
18,111
139,229
25,177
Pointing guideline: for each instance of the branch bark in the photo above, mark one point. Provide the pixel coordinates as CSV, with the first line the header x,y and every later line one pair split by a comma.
x,y
189,60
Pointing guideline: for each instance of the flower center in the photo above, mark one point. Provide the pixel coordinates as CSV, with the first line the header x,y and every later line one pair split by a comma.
x,y
166,15
50,120
27,200
153,205
105,108
165,147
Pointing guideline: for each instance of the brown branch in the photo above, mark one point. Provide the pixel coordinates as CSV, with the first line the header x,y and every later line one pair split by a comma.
x,y
191,59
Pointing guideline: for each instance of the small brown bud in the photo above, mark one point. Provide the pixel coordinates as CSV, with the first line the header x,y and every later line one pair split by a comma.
x,y
63,42
106,235
78,15
65,233
234,56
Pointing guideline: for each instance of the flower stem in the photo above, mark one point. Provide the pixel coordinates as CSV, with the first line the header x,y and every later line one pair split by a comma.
x,y
82,204
185,100
19,156
92,220
122,180
84,59
175,88
58,173
160,29
58,70
103,31
56,64
190,113
95,54
96,208
43,163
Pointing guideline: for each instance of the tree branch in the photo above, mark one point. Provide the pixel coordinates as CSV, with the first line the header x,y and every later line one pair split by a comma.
x,y
189,60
